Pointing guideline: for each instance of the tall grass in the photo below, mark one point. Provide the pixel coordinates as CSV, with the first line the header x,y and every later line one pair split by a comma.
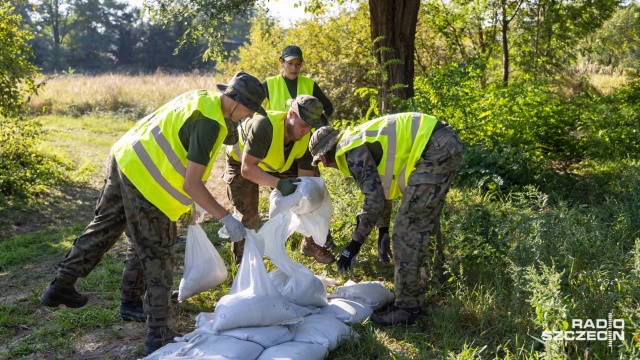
x,y
136,95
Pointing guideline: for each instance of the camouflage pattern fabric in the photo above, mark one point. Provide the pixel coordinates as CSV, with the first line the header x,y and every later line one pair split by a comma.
x,y
418,217
152,234
365,171
244,196
132,286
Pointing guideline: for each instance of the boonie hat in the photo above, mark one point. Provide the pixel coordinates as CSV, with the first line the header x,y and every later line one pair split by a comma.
x,y
321,141
291,52
309,109
247,90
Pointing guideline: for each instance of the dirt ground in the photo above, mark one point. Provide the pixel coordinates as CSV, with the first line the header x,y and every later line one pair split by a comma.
x,y
18,284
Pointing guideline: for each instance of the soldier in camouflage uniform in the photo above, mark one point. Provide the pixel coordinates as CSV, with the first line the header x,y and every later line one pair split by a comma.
x,y
273,151
155,173
438,154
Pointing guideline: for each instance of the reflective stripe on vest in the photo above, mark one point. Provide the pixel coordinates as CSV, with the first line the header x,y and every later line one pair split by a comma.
x,y
274,161
153,158
403,138
279,93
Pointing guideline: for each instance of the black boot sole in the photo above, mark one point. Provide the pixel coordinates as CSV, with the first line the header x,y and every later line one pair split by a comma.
x,y
133,318
51,303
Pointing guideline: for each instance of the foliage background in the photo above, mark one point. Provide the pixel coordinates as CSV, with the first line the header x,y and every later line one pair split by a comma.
x,y
540,225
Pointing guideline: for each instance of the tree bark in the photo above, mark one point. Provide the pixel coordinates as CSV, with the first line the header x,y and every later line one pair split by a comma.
x,y
505,44
393,30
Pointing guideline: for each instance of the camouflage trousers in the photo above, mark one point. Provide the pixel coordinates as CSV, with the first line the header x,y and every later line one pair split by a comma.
x,y
244,195
150,257
418,217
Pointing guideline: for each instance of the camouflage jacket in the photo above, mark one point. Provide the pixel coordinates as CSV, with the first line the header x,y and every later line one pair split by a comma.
x,y
376,210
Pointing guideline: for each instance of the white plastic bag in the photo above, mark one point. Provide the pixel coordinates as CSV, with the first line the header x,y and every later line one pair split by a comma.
x,y
370,293
203,266
310,204
210,346
323,330
294,350
295,281
347,311
253,300
308,197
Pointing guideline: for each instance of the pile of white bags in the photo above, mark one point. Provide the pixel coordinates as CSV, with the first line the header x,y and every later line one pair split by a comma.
x,y
286,313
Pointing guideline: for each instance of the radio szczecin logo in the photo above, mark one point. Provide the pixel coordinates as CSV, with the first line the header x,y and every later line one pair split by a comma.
x,y
589,330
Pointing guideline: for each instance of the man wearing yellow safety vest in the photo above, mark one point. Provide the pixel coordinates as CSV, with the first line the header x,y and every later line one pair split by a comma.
x,y
155,173
411,155
272,151
290,84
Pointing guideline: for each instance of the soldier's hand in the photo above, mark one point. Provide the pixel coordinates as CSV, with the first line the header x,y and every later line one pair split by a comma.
x,y
384,245
235,229
287,186
348,257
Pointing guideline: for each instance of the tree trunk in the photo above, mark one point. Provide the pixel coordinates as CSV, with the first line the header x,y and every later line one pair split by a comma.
x,y
393,30
505,45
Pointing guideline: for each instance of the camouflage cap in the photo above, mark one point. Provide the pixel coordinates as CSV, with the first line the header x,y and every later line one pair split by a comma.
x,y
322,140
247,90
309,109
291,52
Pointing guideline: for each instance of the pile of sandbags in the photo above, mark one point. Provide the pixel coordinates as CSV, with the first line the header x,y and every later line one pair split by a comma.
x,y
286,313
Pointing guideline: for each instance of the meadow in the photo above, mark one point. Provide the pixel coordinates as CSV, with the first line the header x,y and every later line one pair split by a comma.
x,y
520,259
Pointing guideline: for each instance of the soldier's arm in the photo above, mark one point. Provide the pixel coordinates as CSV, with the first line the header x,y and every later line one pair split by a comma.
x,y
253,172
363,169
194,187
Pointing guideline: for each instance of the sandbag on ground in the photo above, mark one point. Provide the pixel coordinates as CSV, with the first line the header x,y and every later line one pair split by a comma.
x,y
166,350
323,330
370,293
294,350
253,300
347,311
225,347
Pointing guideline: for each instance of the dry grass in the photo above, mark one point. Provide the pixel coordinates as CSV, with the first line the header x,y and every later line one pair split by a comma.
x,y
607,84
139,95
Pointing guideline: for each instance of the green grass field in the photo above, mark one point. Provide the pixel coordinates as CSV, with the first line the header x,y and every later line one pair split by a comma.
x,y
518,262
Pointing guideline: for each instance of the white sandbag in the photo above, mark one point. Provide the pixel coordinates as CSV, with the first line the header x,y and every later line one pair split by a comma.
x,y
225,347
166,350
253,300
203,266
328,282
323,330
308,197
294,350
347,311
370,293
266,336
293,280
316,223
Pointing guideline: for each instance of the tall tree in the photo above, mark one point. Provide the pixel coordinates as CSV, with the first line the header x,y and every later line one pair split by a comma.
x,y
393,30
57,18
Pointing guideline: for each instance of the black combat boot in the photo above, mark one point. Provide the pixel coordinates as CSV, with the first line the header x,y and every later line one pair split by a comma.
x,y
132,311
157,337
56,295
397,316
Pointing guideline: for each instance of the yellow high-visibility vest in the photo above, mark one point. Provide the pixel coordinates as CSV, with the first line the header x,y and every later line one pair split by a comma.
x,y
274,161
403,138
279,94
153,158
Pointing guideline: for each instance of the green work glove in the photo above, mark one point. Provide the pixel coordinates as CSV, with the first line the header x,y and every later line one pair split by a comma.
x,y
287,186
